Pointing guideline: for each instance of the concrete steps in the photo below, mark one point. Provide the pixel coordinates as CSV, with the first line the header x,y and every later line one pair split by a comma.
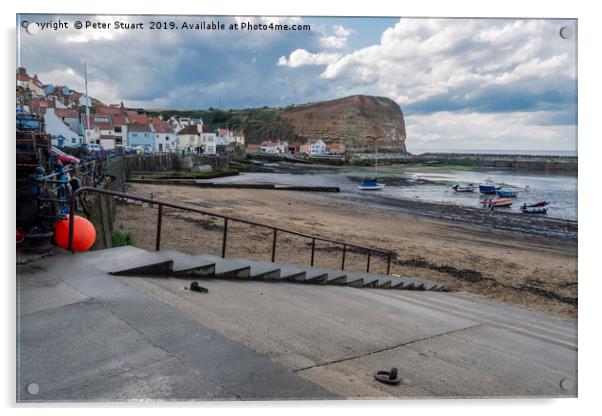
x,y
131,261
189,265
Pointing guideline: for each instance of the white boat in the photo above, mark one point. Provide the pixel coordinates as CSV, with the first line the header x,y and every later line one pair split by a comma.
x,y
464,188
372,184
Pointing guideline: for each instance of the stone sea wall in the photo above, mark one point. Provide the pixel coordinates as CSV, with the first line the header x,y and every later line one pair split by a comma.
x,y
565,164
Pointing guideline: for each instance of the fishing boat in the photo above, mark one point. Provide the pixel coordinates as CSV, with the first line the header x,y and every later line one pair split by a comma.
x,y
488,187
507,194
464,188
537,208
500,202
372,184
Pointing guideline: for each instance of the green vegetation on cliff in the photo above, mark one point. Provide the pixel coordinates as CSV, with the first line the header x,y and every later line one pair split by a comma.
x,y
258,124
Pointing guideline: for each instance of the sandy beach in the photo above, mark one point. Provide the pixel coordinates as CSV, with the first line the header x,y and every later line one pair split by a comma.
x,y
531,271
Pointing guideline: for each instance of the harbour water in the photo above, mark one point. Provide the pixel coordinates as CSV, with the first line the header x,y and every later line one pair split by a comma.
x,y
433,184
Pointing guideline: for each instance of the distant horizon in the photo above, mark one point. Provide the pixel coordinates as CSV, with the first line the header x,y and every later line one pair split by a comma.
x,y
530,152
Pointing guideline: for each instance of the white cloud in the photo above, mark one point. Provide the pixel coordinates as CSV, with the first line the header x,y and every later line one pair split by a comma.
x,y
300,57
420,59
332,42
338,41
341,31
498,131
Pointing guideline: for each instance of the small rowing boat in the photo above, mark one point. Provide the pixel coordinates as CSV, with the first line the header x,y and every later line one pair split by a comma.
x,y
463,188
370,185
500,202
537,208
507,194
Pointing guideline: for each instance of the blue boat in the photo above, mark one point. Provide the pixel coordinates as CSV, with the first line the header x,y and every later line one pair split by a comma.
x,y
371,185
507,194
488,189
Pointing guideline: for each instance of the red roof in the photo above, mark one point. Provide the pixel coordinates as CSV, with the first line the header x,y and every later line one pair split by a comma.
x,y
161,126
36,105
206,129
140,128
109,111
21,77
190,129
135,118
76,95
65,112
119,120
100,122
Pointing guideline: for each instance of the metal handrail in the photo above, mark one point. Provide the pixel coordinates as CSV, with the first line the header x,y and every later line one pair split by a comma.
x,y
226,218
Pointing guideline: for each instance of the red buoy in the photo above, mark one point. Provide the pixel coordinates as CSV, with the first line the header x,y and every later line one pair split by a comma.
x,y
84,233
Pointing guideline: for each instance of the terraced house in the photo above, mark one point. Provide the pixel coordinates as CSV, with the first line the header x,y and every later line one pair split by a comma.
x,y
165,138
189,139
141,135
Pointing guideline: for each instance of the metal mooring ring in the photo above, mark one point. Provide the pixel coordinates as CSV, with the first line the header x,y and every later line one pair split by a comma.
x,y
388,377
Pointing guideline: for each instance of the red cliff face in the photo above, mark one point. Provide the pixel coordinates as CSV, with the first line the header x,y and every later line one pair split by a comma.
x,y
357,121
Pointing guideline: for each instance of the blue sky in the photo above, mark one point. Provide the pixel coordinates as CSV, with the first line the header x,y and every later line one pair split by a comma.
x,y
461,83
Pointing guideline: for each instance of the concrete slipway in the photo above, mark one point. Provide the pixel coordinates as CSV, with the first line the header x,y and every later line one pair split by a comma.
x,y
87,334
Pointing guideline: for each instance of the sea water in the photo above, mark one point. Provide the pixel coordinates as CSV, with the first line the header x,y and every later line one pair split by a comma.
x,y
434,184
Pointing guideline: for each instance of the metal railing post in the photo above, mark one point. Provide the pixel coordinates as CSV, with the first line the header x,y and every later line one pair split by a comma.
x,y
71,222
368,264
159,224
344,252
389,263
224,239
313,249
274,246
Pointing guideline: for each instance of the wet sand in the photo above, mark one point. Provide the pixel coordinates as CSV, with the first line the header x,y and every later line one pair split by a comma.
x,y
532,271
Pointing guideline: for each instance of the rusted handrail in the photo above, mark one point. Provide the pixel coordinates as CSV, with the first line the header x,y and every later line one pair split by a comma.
x,y
226,218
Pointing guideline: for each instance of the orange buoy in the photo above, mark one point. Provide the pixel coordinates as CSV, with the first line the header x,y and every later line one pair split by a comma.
x,y
84,233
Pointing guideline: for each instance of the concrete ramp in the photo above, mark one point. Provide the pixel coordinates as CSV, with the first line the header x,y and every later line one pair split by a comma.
x,y
88,335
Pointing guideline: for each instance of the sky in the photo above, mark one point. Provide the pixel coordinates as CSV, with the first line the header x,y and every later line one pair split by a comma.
x,y
481,84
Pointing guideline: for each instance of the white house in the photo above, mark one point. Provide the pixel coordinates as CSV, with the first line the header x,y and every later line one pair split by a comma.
x,y
314,147
189,140
208,139
60,133
165,137
268,146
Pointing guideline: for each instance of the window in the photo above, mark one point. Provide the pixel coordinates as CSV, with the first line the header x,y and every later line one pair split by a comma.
x,y
134,134
117,129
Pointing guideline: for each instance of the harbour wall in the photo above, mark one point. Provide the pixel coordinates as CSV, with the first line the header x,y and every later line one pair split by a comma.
x,y
564,164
